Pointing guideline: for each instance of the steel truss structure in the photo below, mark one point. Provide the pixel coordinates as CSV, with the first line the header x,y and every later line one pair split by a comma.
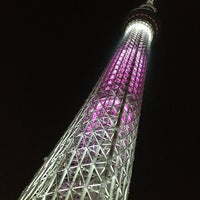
x,y
94,158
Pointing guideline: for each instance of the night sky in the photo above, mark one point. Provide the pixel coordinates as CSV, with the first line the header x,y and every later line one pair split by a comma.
x,y
52,53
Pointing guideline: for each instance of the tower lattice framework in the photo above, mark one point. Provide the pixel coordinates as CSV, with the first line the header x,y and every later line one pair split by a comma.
x,y
94,158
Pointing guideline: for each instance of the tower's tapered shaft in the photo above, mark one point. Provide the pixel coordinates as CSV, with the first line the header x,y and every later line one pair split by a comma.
x,y
94,158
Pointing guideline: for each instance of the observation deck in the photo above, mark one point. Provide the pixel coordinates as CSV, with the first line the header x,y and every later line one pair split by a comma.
x,y
146,14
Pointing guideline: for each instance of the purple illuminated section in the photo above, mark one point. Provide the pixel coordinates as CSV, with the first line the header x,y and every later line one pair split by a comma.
x,y
110,119
113,108
114,83
95,155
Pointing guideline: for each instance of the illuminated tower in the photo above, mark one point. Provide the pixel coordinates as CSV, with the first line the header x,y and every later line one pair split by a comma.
x,y
94,158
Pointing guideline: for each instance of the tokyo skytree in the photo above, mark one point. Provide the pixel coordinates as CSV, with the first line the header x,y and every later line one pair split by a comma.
x,y
93,160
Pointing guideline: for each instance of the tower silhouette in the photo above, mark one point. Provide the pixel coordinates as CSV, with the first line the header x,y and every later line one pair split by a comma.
x,y
94,158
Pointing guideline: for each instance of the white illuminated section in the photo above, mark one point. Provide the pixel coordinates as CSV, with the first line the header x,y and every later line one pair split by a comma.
x,y
140,26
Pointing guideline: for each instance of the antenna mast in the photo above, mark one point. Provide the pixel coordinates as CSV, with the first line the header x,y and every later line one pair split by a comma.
x,y
150,2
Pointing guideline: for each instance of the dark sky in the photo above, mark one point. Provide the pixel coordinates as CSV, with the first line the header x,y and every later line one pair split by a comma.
x,y
53,52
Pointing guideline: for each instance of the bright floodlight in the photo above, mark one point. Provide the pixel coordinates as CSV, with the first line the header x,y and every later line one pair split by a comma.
x,y
141,26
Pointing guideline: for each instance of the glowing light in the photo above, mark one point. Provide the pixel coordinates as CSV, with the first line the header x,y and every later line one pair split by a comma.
x,y
94,157
140,26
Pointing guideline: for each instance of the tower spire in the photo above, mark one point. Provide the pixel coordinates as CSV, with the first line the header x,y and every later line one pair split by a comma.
x,y
149,5
150,2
